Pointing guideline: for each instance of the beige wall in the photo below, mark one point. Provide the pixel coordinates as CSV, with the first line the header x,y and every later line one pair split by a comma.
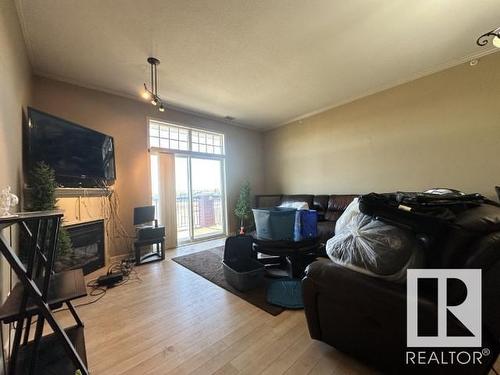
x,y
15,89
442,130
126,120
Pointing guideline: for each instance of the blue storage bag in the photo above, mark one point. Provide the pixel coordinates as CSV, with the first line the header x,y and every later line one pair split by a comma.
x,y
276,223
306,225
309,224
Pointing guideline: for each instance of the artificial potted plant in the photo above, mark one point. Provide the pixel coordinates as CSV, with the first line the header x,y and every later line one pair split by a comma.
x,y
43,185
243,208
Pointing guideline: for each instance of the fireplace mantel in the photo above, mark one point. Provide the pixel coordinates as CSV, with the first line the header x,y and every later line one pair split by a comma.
x,y
77,192
82,192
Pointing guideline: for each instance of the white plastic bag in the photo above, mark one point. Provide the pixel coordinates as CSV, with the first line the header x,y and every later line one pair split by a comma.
x,y
296,205
373,247
349,213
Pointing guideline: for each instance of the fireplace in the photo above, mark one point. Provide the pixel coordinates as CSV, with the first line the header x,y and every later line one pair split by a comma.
x,y
87,251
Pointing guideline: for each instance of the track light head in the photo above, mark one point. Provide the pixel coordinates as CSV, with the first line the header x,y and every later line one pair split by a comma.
x,y
485,38
153,61
152,94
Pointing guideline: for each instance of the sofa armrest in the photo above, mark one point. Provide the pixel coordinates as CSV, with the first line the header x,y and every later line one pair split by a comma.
x,y
327,275
486,252
328,286
357,314
309,294
486,256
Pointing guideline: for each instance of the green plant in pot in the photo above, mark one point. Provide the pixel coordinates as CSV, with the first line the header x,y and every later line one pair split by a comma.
x,y
42,197
243,210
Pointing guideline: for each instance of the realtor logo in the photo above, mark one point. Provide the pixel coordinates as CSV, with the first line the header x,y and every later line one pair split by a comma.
x,y
467,310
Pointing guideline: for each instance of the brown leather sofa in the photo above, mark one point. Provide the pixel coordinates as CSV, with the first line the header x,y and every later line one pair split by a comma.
x,y
329,208
366,317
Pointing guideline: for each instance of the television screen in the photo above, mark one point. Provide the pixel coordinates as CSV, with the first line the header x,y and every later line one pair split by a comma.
x,y
79,156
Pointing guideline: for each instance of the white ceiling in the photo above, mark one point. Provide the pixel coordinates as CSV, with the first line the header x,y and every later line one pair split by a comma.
x,y
263,62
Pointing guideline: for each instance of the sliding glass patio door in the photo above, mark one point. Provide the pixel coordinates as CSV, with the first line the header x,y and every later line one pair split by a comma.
x,y
188,176
199,198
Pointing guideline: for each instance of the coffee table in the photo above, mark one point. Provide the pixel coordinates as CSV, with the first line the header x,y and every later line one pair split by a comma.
x,y
298,255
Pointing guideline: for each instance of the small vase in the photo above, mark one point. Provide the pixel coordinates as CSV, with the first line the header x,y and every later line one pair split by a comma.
x,y
7,201
242,230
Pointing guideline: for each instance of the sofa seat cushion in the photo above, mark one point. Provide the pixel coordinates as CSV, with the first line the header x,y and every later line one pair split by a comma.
x,y
326,230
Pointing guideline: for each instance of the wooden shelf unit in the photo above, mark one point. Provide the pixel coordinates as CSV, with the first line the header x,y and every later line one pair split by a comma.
x,y
64,286
52,358
38,291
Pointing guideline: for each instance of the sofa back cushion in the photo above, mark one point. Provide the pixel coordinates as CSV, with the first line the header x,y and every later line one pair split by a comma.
x,y
337,205
308,198
265,201
320,204
463,240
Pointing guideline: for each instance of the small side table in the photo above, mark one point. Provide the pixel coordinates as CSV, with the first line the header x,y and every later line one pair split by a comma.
x,y
152,256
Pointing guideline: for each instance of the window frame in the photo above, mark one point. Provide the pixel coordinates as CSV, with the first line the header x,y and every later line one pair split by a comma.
x,y
190,130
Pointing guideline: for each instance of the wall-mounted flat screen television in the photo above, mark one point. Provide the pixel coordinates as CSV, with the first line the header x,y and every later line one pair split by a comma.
x,y
80,157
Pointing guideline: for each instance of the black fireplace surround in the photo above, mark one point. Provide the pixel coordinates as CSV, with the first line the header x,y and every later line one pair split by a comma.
x,y
87,250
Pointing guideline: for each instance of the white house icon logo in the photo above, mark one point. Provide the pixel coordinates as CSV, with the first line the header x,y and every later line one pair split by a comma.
x,y
467,311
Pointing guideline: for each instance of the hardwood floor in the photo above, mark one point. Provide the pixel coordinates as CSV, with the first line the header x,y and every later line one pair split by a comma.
x,y
176,322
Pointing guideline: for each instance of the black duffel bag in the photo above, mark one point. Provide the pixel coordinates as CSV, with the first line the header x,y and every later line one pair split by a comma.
x,y
423,213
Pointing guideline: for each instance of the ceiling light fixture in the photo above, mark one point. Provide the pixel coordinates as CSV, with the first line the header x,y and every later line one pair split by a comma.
x,y
152,94
484,39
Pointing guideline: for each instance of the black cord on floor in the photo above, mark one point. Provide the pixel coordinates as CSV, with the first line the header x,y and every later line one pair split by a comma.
x,y
126,267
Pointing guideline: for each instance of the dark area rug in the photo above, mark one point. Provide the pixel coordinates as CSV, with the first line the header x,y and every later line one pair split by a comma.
x,y
208,264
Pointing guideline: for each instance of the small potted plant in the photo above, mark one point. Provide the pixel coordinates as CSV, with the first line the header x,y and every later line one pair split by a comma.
x,y
243,208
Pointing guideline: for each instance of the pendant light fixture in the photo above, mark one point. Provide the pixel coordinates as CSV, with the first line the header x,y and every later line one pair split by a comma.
x,y
484,39
152,94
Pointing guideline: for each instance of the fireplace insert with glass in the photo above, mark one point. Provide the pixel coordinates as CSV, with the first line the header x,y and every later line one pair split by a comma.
x,y
87,250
